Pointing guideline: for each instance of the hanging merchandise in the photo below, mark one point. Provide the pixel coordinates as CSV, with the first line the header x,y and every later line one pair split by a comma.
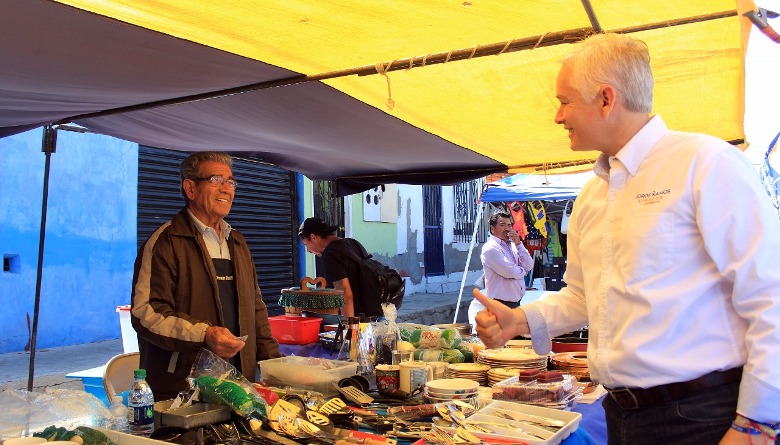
x,y
518,216
534,242
539,216
566,215
554,247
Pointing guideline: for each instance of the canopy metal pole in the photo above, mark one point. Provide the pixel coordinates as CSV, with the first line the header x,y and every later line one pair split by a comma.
x,y
49,146
477,220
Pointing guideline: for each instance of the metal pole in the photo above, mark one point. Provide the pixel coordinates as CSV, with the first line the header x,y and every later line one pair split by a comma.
x,y
48,146
477,220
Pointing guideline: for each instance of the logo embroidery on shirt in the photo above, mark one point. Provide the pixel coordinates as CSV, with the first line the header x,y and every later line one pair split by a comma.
x,y
653,197
225,278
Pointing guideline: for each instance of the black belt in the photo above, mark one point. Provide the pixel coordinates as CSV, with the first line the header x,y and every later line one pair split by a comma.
x,y
634,398
507,302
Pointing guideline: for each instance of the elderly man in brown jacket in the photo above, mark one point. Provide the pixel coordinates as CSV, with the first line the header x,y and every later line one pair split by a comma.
x,y
195,285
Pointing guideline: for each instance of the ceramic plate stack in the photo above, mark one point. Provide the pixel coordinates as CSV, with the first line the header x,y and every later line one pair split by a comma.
x,y
574,363
516,358
518,344
444,390
496,375
472,371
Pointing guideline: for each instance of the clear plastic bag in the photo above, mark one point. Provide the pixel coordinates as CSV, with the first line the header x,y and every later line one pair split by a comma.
x,y
388,334
217,381
29,412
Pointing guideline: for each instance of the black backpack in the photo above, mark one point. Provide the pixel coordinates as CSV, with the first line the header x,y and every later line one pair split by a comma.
x,y
382,282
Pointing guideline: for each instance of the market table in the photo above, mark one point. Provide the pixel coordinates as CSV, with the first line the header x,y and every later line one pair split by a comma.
x,y
593,422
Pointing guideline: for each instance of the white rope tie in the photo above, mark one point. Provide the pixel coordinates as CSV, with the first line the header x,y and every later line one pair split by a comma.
x,y
381,69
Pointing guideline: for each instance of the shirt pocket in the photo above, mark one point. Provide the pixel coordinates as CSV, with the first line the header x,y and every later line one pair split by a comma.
x,y
646,245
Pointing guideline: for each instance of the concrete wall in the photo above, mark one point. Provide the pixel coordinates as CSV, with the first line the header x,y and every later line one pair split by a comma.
x,y
90,237
400,244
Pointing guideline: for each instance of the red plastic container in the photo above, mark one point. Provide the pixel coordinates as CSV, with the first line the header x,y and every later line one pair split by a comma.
x,y
290,329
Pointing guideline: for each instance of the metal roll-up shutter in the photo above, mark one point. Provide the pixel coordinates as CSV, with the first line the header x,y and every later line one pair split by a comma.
x,y
263,211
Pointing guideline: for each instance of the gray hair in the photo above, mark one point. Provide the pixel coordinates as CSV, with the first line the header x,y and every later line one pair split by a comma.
x,y
617,60
190,166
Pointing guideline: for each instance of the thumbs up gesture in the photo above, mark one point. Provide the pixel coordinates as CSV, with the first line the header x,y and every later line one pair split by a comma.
x,y
497,323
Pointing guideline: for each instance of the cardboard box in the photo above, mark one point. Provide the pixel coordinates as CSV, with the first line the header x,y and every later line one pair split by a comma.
x,y
291,329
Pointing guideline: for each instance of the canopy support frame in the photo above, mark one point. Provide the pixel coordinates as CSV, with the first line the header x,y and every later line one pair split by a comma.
x,y
48,146
477,221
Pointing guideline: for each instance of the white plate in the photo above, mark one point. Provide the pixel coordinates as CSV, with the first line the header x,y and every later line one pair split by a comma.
x,y
452,386
452,397
468,367
438,395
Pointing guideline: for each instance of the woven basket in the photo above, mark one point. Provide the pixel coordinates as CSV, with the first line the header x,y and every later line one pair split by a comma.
x,y
311,295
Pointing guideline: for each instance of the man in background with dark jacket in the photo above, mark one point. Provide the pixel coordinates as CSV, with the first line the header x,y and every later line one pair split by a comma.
x,y
195,285
341,270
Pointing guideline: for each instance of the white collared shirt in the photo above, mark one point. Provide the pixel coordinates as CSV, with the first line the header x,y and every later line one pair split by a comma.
x,y
506,265
218,248
673,264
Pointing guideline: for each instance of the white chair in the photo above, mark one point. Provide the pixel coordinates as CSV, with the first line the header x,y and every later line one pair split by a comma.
x,y
118,375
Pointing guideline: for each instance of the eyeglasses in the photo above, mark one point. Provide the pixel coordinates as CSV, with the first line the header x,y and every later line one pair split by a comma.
x,y
218,180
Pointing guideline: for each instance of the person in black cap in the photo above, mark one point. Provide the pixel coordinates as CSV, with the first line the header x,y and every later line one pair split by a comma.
x,y
341,271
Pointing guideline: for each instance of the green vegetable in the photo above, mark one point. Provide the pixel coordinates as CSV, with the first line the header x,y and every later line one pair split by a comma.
x,y
89,436
468,353
453,356
52,433
92,436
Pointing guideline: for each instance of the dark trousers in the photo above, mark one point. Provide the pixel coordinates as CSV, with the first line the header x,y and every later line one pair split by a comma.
x,y
699,419
509,304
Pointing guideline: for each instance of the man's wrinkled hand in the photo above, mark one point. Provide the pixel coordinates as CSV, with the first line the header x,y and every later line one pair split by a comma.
x,y
223,342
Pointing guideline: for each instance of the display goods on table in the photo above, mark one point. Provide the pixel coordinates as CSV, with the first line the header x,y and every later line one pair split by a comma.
x,y
505,395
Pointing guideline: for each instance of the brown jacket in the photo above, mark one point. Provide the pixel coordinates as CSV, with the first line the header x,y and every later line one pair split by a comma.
x,y
175,298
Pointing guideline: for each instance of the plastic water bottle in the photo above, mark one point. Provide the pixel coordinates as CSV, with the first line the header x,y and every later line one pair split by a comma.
x,y
119,412
140,406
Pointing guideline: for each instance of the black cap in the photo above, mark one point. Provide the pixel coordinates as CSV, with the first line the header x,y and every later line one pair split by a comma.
x,y
315,225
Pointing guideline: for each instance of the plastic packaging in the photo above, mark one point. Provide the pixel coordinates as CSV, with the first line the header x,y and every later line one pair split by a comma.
x,y
306,373
219,382
119,411
24,412
413,412
389,334
366,349
140,406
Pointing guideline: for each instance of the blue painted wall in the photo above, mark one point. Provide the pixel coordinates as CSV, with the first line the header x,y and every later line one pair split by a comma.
x,y
90,243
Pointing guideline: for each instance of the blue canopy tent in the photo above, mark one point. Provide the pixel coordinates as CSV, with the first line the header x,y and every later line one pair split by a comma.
x,y
525,187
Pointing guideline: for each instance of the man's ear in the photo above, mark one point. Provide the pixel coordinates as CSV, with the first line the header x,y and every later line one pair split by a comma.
x,y
189,188
607,97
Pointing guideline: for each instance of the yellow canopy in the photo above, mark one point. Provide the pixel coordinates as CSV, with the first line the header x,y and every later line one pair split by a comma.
x,y
501,106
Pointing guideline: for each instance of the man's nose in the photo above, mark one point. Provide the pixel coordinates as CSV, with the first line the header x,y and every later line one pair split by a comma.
x,y
559,115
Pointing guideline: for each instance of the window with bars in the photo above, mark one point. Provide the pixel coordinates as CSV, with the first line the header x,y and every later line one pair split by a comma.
x,y
465,208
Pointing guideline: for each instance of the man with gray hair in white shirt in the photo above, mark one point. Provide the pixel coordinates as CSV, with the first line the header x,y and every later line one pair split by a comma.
x,y
671,262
